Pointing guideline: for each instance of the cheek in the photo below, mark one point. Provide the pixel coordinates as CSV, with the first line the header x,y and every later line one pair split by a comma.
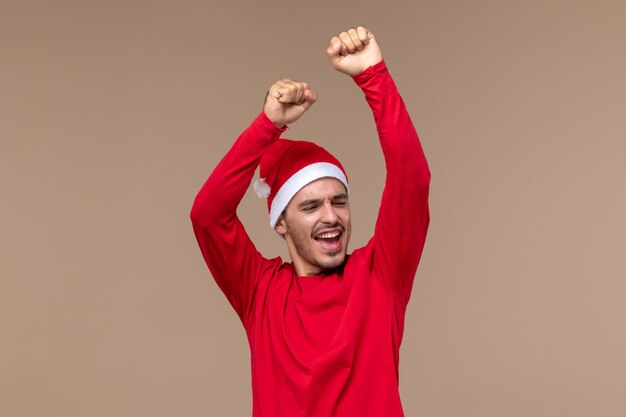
x,y
308,223
303,227
346,219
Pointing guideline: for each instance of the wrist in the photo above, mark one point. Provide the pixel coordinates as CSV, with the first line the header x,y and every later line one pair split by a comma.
x,y
279,123
269,124
370,71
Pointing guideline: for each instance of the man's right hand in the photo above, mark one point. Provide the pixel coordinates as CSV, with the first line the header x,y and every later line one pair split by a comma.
x,y
287,100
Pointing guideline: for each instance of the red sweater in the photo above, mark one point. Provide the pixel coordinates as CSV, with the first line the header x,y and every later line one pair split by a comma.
x,y
328,345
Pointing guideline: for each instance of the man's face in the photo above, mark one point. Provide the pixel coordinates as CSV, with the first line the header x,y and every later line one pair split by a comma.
x,y
316,226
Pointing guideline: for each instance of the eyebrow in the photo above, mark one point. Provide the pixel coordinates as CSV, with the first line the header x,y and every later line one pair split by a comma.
x,y
318,200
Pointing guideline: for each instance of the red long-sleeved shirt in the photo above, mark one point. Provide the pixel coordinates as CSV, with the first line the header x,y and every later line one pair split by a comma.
x,y
325,345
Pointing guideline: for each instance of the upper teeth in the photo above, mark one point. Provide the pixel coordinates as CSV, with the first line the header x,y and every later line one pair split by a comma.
x,y
329,235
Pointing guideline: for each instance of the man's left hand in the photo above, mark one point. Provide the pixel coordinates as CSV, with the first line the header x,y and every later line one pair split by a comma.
x,y
354,51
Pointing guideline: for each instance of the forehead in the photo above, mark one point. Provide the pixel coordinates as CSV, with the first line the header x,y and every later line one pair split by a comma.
x,y
323,188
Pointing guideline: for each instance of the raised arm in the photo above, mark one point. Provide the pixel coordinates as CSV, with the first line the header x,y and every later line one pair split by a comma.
x,y
229,253
403,217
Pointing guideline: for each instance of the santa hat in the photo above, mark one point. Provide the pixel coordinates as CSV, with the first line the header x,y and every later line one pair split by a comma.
x,y
288,166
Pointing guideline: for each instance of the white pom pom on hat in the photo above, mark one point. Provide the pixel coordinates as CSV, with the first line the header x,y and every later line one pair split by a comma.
x,y
287,167
261,188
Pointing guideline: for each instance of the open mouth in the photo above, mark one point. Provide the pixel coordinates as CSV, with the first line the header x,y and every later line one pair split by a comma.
x,y
329,240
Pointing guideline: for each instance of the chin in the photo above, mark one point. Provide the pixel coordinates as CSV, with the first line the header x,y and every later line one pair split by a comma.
x,y
335,261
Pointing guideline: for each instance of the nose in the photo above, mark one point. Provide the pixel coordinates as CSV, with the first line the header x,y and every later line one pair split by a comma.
x,y
329,215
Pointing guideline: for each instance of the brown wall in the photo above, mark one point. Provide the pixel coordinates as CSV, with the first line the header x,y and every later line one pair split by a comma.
x,y
113,113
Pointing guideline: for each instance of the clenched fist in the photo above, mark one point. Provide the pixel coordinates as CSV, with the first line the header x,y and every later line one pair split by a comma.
x,y
354,51
287,100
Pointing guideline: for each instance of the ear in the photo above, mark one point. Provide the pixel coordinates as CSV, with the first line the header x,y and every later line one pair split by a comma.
x,y
281,226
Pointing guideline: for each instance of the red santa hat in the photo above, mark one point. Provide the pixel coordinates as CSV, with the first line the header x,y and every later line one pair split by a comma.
x,y
288,166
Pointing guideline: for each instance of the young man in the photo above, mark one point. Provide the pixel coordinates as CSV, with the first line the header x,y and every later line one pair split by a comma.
x,y
324,330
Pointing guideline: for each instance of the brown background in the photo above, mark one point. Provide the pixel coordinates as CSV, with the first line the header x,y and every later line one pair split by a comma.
x,y
113,113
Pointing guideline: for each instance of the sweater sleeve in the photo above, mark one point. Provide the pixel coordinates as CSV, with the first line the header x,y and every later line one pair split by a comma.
x,y
403,217
227,249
